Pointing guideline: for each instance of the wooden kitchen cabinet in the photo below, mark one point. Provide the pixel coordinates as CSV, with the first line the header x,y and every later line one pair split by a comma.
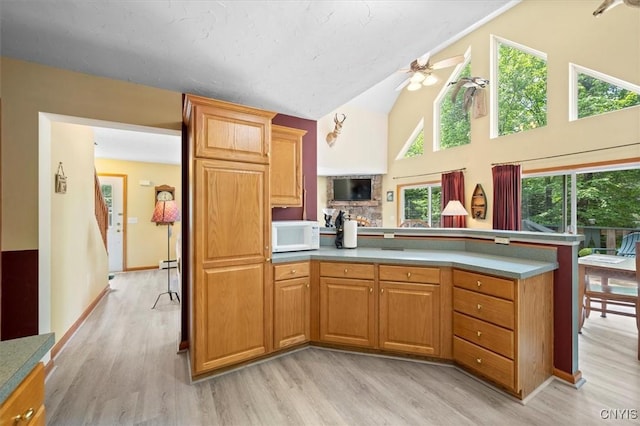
x,y
231,291
228,131
291,301
286,166
347,304
25,405
503,328
409,319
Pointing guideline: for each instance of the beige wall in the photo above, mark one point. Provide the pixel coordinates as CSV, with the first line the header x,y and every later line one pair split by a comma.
x,y
146,242
567,32
28,89
78,256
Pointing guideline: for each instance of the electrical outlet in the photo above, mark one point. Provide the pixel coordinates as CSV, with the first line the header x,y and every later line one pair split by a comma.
x,y
389,235
501,240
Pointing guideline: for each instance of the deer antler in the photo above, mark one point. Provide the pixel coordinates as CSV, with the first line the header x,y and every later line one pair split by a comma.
x,y
333,136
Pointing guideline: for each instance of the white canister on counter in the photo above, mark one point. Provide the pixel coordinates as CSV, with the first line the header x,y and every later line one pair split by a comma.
x,y
350,234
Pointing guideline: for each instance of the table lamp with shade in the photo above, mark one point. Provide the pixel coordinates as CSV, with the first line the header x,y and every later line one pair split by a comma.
x,y
454,208
166,212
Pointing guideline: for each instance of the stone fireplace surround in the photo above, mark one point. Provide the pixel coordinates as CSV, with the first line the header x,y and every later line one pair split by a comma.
x,y
371,210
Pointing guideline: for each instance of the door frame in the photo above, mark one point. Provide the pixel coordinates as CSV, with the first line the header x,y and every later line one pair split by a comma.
x,y
124,215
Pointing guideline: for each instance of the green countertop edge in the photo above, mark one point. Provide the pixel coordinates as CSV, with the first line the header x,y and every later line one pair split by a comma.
x,y
18,357
512,267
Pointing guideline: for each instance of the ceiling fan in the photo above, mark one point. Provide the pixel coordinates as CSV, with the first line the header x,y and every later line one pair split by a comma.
x,y
421,70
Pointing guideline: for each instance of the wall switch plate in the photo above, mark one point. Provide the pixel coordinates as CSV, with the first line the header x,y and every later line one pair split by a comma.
x,y
501,240
389,235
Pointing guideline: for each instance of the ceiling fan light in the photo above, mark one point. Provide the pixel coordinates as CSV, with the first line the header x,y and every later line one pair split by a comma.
x,y
414,86
430,80
418,77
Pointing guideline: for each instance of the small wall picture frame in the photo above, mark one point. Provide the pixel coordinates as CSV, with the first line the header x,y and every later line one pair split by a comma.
x,y
61,180
389,196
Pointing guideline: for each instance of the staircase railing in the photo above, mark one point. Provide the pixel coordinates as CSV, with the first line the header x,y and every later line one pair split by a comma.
x,y
101,210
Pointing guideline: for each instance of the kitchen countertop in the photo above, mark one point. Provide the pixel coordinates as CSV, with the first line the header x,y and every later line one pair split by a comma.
x,y
18,357
510,267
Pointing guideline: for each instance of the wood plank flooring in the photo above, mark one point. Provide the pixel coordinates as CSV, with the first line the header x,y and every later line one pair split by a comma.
x,y
122,367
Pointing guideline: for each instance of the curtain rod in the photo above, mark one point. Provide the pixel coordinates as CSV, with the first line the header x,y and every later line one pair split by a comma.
x,y
565,155
433,173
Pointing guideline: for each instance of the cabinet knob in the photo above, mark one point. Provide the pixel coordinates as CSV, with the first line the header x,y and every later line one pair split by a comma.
x,y
345,270
408,274
479,333
479,360
479,306
26,416
479,283
381,290
370,289
293,271
307,285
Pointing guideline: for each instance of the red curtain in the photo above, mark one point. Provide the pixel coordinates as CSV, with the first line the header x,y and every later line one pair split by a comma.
x,y
453,189
507,193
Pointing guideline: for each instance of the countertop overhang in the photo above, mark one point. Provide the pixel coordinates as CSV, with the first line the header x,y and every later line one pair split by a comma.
x,y
18,357
510,267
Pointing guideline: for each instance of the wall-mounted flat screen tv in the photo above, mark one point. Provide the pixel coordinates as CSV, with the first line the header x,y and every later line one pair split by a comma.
x,y
348,189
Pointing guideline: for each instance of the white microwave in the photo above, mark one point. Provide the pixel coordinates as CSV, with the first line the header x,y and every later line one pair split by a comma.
x,y
294,235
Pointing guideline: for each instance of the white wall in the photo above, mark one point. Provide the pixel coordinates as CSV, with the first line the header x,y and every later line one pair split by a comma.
x,y
361,148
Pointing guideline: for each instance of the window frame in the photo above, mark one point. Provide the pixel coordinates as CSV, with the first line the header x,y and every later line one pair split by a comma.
x,y
403,152
443,92
575,70
493,78
400,190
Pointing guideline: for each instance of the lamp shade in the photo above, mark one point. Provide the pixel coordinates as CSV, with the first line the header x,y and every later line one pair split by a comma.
x,y
166,212
454,208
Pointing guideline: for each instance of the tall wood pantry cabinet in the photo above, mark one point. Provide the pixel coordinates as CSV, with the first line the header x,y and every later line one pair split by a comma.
x,y
231,285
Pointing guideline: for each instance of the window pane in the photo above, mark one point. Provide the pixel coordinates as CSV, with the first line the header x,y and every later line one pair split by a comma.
x,y
596,96
543,203
416,203
522,90
417,146
455,126
436,207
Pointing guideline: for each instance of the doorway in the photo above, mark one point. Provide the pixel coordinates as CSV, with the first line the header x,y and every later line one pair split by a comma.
x,y
114,191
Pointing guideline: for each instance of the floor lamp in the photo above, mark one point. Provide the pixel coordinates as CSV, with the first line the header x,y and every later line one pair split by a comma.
x,y
165,213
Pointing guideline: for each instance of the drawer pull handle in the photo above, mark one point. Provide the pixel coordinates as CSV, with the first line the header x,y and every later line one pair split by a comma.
x,y
479,306
479,360
479,333
408,274
26,416
479,283
293,271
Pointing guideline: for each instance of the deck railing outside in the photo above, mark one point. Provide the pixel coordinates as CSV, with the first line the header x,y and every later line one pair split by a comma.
x,y
101,211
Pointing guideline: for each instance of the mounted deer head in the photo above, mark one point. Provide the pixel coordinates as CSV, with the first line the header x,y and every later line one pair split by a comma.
x,y
333,136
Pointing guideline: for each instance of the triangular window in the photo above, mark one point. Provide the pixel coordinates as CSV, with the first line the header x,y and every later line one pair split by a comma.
x,y
414,146
596,93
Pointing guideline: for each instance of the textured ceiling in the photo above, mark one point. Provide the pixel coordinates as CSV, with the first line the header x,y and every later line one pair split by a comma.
x,y
303,58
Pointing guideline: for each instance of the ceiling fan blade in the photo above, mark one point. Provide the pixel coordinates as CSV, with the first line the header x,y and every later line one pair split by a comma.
x,y
449,62
403,84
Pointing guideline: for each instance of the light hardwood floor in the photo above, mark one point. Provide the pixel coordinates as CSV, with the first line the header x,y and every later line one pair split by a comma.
x,y
121,367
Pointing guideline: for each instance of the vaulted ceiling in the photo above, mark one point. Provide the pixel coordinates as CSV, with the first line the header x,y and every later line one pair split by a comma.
x,y
303,58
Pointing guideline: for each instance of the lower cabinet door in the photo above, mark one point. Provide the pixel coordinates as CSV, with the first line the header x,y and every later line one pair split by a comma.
x,y
229,316
347,311
410,317
291,316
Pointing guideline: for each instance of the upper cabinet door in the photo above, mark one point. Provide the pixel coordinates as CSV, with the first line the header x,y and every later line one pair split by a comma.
x,y
227,131
286,166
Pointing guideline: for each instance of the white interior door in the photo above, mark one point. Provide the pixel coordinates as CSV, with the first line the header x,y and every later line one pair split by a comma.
x,y
112,188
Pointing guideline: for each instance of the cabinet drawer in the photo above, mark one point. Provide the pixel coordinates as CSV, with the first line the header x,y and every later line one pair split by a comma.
x,y
492,286
290,270
491,365
488,308
489,336
346,270
28,397
413,274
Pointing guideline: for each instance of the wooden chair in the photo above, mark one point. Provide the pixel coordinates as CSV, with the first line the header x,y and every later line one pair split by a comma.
x,y
414,223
